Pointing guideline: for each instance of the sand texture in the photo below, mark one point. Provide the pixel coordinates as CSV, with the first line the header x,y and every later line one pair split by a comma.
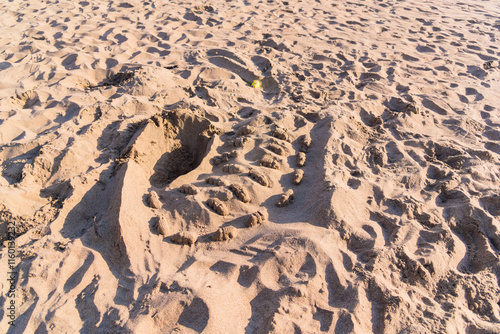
x,y
154,190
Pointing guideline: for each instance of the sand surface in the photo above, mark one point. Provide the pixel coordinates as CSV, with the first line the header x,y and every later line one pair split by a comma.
x,y
153,190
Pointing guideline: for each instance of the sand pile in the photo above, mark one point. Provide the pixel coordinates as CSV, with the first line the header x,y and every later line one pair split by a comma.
x,y
152,189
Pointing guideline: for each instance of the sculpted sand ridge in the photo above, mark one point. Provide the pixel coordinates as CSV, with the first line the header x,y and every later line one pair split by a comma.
x,y
154,190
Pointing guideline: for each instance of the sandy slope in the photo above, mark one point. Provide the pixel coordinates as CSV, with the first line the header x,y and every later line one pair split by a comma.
x,y
128,127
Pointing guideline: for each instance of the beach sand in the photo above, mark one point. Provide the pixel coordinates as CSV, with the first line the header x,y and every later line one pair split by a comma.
x,y
154,190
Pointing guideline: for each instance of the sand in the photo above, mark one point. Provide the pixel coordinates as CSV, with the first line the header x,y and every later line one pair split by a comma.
x,y
154,190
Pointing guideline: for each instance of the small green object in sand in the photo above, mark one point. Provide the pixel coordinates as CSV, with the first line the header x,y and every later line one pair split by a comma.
x,y
256,84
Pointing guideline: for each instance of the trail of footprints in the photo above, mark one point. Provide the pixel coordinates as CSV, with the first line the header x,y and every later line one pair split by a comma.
x,y
276,152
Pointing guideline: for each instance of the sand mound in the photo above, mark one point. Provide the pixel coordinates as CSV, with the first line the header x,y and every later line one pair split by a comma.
x,y
153,189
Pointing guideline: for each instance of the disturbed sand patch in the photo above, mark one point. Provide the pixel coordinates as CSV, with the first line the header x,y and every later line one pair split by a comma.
x,y
154,189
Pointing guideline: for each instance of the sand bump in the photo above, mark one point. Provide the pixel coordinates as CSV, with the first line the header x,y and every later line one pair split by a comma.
x,y
184,238
225,233
218,206
286,198
297,176
154,200
255,219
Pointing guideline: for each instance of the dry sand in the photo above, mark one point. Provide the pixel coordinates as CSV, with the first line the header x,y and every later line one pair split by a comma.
x,y
154,190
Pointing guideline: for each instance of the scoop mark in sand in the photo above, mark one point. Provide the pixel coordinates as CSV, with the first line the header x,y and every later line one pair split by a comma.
x,y
232,66
195,316
186,140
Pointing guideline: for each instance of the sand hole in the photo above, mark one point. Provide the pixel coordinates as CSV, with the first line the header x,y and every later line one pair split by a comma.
x,y
186,138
